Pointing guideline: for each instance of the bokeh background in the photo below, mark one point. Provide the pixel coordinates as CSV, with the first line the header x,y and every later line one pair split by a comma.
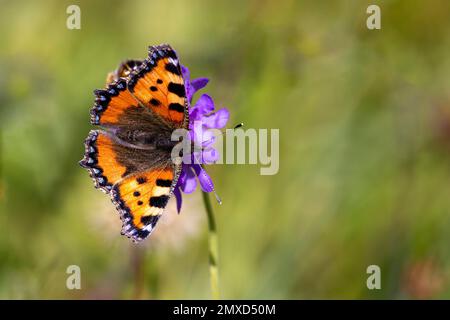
x,y
364,119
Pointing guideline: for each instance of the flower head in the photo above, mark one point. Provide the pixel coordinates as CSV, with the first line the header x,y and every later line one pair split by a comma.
x,y
202,116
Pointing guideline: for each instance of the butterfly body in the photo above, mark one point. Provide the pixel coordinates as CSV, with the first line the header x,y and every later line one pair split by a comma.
x,y
130,157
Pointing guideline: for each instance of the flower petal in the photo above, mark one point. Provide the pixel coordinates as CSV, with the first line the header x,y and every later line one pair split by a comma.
x,y
205,104
192,86
217,119
196,130
190,182
181,178
210,155
202,118
199,83
187,83
186,74
189,92
208,138
205,180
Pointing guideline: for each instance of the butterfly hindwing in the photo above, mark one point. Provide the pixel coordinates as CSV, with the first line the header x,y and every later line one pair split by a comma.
x,y
140,189
141,199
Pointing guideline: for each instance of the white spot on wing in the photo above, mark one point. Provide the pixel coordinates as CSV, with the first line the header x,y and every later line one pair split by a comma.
x,y
153,211
160,191
173,61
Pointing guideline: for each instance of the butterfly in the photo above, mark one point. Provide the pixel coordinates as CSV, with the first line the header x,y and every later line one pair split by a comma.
x,y
130,156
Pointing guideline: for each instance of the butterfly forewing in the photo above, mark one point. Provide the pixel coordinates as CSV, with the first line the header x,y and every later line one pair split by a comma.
x,y
159,84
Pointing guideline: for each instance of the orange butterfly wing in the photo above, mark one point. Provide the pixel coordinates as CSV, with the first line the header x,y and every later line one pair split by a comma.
x,y
100,159
155,83
141,199
111,103
159,85
139,190
140,195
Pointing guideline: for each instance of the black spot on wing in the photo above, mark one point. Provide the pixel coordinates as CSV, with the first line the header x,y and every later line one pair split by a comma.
x,y
176,107
155,102
177,89
141,180
173,69
163,182
146,220
141,234
159,202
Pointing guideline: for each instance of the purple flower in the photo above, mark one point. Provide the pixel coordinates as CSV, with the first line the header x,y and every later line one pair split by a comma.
x,y
202,116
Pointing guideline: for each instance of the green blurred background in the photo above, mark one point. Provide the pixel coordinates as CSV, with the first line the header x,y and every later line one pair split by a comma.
x,y
364,119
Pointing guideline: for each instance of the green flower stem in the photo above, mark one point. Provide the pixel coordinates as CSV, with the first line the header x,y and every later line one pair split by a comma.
x,y
213,248
138,267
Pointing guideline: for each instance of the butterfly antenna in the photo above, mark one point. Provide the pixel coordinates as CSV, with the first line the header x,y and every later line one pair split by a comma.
x,y
238,125
219,201
223,132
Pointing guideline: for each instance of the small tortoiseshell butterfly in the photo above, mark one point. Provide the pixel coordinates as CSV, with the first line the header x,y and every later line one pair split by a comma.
x,y
130,157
